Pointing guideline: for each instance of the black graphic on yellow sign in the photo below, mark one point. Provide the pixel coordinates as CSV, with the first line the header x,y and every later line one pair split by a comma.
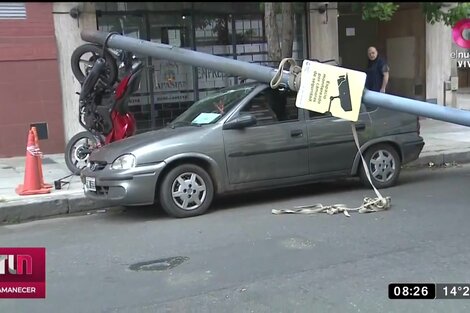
x,y
327,88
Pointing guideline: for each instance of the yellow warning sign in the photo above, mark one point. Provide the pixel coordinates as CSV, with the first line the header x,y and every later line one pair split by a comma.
x,y
328,88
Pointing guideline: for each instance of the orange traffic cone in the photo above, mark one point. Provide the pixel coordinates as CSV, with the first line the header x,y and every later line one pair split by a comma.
x,y
41,177
32,183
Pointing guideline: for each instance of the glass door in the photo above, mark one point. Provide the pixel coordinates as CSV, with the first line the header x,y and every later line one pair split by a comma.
x,y
173,82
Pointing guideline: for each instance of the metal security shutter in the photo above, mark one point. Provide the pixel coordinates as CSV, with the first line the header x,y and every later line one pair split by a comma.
x,y
12,10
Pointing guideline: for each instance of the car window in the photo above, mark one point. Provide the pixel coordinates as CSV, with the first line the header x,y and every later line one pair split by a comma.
x,y
273,106
212,108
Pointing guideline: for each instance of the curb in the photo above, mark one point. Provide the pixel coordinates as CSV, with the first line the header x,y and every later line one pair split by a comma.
x,y
441,159
28,210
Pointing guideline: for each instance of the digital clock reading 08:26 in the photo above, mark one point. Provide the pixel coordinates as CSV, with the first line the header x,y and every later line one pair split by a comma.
x,y
428,291
412,291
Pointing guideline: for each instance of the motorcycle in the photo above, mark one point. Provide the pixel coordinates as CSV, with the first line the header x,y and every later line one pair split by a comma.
x,y
103,102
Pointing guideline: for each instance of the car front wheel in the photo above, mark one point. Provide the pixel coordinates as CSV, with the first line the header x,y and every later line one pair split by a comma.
x,y
384,166
187,190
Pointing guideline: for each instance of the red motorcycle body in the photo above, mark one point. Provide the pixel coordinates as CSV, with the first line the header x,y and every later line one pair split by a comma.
x,y
123,127
124,124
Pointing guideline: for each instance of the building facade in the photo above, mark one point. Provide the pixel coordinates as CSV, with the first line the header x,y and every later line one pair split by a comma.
x,y
41,41
29,82
228,29
417,52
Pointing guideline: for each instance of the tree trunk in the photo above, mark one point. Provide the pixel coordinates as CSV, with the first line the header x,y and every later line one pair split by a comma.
x,y
272,34
287,29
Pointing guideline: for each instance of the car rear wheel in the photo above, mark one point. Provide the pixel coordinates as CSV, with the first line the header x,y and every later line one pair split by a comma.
x,y
384,166
187,190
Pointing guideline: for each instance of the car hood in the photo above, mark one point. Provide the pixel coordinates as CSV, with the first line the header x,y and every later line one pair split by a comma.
x,y
143,143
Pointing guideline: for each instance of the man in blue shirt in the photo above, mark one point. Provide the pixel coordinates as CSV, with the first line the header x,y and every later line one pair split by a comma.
x,y
377,71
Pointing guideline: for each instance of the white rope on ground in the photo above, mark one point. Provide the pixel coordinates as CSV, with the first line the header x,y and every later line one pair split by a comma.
x,y
368,205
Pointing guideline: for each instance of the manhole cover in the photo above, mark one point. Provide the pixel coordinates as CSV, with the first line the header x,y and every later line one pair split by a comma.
x,y
158,265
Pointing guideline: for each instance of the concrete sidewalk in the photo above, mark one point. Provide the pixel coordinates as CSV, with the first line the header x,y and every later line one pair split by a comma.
x,y
444,143
68,200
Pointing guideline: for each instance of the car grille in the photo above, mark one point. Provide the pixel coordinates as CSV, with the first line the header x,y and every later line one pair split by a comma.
x,y
101,191
96,165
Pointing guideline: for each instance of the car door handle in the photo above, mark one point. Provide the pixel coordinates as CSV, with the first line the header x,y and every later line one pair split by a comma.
x,y
360,125
296,133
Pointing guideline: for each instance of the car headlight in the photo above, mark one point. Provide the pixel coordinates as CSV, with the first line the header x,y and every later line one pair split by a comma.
x,y
124,162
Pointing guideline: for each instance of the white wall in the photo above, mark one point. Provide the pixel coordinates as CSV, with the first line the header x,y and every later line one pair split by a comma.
x,y
438,61
323,37
67,32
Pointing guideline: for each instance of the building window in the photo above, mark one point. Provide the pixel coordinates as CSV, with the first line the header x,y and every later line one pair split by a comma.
x,y
250,29
212,30
12,10
217,30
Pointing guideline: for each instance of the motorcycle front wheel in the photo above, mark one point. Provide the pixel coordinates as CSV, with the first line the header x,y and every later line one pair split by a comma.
x,y
84,57
78,150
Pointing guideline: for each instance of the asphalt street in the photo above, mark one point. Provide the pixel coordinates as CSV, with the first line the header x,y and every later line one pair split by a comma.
x,y
241,258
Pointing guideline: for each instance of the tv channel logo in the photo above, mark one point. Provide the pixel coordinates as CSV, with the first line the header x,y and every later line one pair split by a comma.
x,y
457,33
23,273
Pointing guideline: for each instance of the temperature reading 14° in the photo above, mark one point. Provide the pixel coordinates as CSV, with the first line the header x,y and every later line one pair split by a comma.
x,y
456,290
453,291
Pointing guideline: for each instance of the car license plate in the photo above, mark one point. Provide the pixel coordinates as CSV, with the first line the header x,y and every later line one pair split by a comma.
x,y
90,183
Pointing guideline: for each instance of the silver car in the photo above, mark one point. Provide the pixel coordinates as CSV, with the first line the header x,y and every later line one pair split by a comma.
x,y
242,138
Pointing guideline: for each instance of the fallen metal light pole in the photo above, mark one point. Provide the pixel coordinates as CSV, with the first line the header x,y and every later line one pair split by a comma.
x,y
265,74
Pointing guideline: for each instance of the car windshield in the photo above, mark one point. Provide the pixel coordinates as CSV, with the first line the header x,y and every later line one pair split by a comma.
x,y
213,107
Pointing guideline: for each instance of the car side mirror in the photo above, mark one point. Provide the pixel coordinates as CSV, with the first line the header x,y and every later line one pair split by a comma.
x,y
242,121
